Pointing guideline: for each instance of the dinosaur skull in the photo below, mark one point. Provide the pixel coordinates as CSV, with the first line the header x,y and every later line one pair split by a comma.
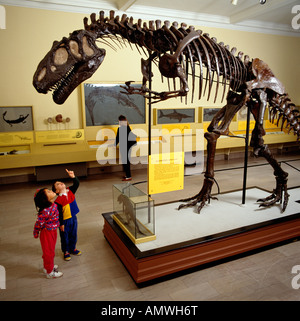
x,y
69,62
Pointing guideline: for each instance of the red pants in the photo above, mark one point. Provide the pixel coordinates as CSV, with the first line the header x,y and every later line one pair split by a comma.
x,y
48,241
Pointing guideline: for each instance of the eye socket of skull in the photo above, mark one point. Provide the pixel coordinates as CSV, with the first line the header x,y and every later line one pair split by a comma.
x,y
74,48
86,48
61,56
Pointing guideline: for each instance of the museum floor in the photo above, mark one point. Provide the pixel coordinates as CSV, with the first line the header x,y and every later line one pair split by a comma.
x,y
98,274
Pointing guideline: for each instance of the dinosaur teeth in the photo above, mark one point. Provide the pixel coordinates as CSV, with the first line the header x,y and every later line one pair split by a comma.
x,y
66,80
59,87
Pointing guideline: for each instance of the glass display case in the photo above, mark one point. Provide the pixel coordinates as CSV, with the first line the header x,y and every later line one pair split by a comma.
x,y
134,212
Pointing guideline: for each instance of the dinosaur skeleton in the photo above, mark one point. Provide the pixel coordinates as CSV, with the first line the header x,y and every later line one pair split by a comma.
x,y
176,50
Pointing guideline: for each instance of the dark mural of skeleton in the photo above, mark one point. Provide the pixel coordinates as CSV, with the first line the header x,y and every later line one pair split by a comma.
x,y
180,52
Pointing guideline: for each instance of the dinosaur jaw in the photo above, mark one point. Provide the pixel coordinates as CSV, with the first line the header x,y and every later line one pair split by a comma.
x,y
67,80
69,62
73,78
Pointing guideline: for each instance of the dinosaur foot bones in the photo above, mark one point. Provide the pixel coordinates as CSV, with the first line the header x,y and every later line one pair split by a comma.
x,y
279,194
202,197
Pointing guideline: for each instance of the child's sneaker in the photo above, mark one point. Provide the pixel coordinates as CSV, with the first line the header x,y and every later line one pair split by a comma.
x,y
67,256
54,274
55,269
76,252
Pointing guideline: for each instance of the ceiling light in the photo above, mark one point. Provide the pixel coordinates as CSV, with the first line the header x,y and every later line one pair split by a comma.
x,y
234,2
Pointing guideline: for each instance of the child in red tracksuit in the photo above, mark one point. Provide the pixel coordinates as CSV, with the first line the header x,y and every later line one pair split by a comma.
x,y
46,225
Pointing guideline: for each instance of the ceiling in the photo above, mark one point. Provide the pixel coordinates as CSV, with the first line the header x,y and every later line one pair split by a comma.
x,y
273,17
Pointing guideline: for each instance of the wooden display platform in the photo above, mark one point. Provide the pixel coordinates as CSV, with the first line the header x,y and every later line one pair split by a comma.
x,y
151,264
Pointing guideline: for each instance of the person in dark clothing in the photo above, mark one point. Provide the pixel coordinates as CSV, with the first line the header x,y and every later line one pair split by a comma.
x,y
67,205
126,139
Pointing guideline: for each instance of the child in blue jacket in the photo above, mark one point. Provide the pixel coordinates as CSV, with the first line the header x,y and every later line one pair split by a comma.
x,y
67,205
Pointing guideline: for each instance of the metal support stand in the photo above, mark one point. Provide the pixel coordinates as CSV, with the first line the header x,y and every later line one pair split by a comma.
x,y
246,156
149,108
149,133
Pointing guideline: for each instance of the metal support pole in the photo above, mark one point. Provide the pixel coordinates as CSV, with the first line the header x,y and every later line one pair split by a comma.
x,y
149,131
246,156
149,108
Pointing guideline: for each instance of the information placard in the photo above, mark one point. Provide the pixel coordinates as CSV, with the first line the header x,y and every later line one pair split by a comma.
x,y
56,136
16,138
165,172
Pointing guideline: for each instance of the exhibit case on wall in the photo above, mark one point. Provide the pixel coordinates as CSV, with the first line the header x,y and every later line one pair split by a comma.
x,y
134,212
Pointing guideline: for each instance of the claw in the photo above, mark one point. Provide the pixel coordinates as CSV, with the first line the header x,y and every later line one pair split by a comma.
x,y
269,201
200,207
203,196
129,89
279,194
285,201
266,198
190,204
156,96
181,206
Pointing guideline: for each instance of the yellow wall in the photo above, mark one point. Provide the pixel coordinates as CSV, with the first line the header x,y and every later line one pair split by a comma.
x,y
30,33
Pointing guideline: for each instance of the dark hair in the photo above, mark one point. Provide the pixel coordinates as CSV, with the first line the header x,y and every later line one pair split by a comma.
x,y
41,200
122,117
53,187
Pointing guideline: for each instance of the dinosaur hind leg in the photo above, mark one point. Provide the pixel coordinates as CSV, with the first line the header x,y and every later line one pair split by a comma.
x,y
205,193
280,193
218,126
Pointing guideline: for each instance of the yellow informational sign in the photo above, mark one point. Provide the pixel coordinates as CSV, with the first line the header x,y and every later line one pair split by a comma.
x,y
16,138
165,172
59,135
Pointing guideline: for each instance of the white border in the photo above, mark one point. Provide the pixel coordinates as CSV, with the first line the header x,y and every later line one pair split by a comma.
x,y
151,13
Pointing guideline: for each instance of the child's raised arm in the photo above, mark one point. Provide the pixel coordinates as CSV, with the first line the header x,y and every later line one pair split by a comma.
x,y
75,185
70,173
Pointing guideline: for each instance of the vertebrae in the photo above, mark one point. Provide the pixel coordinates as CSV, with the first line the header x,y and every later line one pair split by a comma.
x,y
283,109
192,50
202,51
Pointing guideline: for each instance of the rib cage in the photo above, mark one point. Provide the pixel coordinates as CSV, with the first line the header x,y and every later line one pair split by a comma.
x,y
221,64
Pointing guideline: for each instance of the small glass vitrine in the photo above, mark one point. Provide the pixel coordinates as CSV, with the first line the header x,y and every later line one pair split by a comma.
x,y
134,212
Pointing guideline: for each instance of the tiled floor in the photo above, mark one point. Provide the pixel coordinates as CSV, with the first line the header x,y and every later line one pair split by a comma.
x,y
99,275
